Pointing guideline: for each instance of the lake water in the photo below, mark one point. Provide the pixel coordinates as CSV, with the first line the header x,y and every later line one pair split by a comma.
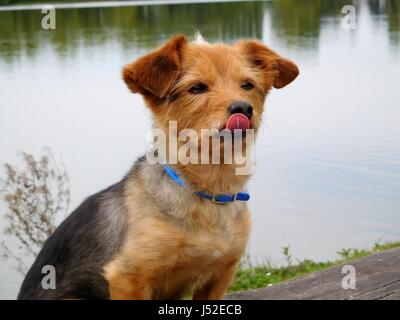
x,y
328,157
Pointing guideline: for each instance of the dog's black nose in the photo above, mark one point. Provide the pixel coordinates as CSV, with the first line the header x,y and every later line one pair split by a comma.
x,y
241,107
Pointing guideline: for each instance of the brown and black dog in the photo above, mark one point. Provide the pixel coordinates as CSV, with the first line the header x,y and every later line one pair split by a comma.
x,y
147,237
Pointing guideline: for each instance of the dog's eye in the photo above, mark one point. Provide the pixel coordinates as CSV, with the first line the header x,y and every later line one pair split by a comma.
x,y
198,88
247,86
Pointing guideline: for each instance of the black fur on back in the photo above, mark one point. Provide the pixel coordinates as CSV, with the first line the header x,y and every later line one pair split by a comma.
x,y
78,250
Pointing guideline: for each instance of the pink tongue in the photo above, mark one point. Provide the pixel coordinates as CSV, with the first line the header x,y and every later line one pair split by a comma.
x,y
238,121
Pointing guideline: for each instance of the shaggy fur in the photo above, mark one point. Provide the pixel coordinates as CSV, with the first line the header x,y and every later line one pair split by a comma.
x,y
146,237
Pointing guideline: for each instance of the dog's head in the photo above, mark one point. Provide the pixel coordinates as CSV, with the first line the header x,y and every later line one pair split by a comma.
x,y
209,86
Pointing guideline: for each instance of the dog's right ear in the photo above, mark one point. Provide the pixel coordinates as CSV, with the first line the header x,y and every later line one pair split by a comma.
x,y
156,73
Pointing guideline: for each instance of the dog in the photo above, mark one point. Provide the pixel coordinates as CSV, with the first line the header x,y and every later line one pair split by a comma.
x,y
169,231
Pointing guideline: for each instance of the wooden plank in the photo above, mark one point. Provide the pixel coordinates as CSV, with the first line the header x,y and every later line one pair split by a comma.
x,y
377,277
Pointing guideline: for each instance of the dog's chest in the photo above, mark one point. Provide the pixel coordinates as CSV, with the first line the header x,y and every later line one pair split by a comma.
x,y
193,256
203,236
211,237
181,249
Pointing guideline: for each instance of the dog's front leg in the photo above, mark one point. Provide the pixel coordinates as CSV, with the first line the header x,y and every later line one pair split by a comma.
x,y
123,287
215,288
126,285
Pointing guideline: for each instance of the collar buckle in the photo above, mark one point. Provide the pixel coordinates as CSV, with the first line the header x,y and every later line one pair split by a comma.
x,y
223,198
213,200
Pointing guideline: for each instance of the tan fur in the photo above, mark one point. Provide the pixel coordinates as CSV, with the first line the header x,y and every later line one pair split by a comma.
x,y
193,246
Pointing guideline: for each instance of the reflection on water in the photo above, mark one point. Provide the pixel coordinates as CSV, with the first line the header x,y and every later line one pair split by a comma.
x,y
302,26
138,27
328,158
389,10
297,22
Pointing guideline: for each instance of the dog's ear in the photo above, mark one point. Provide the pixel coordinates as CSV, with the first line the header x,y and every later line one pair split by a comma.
x,y
282,71
156,72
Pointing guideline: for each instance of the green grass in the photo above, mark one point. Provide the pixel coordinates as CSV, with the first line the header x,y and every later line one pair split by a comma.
x,y
250,276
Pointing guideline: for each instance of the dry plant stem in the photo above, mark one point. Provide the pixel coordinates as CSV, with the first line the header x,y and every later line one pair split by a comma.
x,y
33,197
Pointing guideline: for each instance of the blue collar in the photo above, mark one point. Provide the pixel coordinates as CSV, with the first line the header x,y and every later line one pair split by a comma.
x,y
218,198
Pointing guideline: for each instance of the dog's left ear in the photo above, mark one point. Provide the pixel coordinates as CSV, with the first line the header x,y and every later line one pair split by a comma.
x,y
156,73
277,71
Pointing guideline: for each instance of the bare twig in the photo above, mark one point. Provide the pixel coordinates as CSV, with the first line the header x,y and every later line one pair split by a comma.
x,y
34,197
